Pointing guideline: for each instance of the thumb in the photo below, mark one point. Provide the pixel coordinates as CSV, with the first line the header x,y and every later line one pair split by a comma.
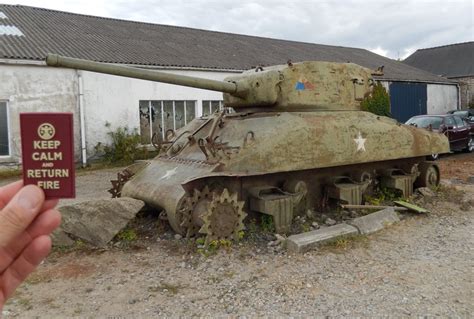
x,y
19,213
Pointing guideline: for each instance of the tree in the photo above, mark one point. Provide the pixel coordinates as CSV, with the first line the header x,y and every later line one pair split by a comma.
x,y
378,102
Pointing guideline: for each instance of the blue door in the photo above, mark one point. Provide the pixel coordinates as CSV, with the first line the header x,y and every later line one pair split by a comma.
x,y
407,99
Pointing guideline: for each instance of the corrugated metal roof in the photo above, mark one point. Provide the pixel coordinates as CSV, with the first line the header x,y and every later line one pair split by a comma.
x,y
453,60
127,42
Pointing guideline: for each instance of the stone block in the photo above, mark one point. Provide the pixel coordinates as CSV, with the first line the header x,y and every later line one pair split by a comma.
x,y
376,221
301,243
95,221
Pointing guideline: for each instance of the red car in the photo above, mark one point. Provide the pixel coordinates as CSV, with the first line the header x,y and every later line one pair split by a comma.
x,y
459,132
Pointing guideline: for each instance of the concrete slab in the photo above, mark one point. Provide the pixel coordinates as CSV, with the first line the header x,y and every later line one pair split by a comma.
x,y
301,243
376,221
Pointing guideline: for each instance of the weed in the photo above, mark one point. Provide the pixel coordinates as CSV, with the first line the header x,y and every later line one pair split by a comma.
x,y
79,244
125,147
383,195
212,247
127,235
267,223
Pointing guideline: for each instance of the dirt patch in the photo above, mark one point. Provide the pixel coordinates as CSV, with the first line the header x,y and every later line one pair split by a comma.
x,y
419,267
459,166
69,270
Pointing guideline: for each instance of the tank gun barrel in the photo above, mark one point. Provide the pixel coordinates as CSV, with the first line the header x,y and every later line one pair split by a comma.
x,y
151,75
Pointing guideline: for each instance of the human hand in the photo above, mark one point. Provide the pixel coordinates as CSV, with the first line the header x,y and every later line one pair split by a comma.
x,y
26,221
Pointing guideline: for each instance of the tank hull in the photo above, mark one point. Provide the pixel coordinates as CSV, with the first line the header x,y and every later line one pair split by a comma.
x,y
267,149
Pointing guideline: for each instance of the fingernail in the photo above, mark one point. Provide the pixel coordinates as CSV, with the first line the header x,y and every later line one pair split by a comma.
x,y
29,197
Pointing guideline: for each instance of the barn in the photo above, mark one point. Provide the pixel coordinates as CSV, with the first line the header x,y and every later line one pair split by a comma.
x,y
27,34
453,61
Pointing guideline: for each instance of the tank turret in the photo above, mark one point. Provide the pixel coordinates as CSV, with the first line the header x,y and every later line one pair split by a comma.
x,y
301,86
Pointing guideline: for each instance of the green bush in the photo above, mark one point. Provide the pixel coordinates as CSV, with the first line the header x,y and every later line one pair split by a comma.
x,y
124,148
378,102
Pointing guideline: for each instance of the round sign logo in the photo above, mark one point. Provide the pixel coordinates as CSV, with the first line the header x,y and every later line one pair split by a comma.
x,y
46,131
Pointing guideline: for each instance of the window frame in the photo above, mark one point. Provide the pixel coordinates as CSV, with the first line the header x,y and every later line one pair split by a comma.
x,y
221,106
8,130
160,103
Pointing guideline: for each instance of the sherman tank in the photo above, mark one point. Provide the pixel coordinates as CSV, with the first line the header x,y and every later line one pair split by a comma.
x,y
297,139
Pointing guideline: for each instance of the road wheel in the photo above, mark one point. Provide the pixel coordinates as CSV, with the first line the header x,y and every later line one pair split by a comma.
x,y
429,175
470,145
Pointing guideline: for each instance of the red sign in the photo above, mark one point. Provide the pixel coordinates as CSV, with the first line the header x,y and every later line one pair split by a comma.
x,y
47,147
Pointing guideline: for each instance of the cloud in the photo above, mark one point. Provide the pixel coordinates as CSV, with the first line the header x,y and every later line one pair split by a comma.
x,y
391,28
379,51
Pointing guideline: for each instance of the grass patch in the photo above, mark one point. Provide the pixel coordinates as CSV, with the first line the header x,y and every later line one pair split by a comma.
x,y
127,235
9,173
212,247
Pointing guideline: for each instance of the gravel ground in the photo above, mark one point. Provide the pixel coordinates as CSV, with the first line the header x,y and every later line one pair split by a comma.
x,y
422,266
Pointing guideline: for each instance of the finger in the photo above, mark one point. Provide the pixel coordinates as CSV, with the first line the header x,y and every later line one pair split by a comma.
x,y
49,204
44,224
8,191
19,213
29,259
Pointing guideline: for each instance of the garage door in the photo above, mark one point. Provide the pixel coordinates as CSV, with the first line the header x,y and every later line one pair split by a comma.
x,y
407,99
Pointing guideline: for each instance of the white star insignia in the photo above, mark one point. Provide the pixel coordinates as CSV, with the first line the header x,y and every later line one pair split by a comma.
x,y
360,142
169,173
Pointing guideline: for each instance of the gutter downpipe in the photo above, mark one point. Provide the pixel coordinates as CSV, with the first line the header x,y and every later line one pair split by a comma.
x,y
82,120
459,96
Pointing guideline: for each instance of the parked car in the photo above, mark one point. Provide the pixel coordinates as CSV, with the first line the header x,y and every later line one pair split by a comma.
x,y
459,132
467,114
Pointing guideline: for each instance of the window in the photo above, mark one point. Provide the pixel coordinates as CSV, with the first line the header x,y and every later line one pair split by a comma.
x,y
4,136
209,107
160,116
449,122
459,122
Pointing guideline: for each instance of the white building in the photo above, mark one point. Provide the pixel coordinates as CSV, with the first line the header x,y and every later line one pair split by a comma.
x,y
27,34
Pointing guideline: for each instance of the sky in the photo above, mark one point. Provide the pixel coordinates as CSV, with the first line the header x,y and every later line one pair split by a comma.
x,y
394,29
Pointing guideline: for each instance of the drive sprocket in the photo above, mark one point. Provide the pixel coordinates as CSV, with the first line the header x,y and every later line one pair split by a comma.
x,y
197,202
224,217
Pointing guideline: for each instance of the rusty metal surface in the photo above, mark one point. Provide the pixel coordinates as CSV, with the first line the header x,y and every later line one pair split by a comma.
x,y
262,144
293,141
298,123
313,85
